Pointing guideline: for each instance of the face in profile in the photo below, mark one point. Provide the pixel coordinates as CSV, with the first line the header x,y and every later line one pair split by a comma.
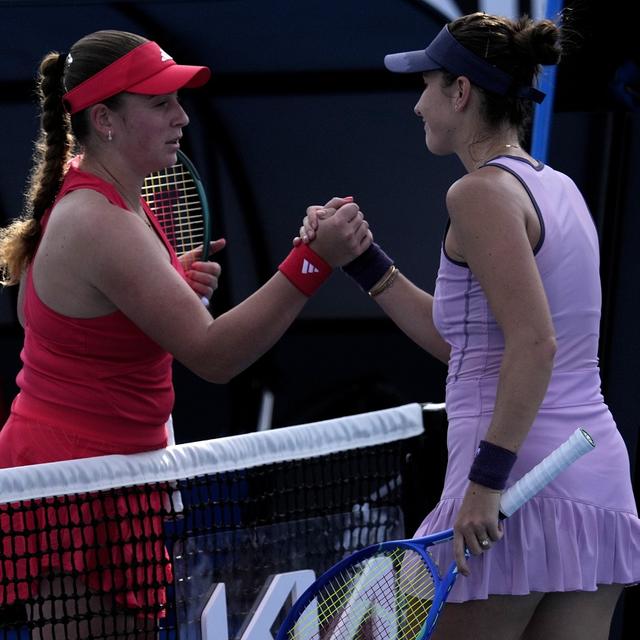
x,y
149,129
435,108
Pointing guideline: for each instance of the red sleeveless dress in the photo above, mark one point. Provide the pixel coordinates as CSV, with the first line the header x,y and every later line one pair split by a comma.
x,y
88,387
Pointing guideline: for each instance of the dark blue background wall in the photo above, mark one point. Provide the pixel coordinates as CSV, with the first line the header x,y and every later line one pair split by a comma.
x,y
300,109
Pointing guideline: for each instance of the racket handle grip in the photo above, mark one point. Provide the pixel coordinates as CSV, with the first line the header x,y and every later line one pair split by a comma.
x,y
544,472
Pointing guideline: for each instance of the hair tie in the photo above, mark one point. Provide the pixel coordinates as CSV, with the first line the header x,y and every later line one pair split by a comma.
x,y
62,60
61,64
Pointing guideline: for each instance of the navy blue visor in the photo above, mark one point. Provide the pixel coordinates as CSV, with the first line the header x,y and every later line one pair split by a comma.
x,y
445,52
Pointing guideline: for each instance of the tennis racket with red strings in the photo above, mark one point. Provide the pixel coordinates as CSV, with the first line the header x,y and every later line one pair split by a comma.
x,y
178,200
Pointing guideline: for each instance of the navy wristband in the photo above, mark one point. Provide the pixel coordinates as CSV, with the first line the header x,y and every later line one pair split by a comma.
x,y
368,268
492,466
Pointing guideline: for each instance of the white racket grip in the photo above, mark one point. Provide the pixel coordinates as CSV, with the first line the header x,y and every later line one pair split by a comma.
x,y
544,472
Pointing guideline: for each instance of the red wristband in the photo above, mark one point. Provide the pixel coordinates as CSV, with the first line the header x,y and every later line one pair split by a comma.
x,y
305,269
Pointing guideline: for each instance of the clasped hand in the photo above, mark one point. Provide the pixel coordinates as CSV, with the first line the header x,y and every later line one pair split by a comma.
x,y
337,231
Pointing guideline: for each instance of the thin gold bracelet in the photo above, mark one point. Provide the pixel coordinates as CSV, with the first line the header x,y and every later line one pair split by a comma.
x,y
385,282
385,276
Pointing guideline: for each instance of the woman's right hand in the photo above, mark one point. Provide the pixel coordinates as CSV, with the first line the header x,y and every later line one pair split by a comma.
x,y
477,524
342,234
315,213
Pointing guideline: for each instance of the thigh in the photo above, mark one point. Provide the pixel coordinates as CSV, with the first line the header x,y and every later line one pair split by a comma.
x,y
496,618
574,615
25,442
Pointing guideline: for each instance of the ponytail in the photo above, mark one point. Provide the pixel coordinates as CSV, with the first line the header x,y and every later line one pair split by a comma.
x,y
58,133
53,148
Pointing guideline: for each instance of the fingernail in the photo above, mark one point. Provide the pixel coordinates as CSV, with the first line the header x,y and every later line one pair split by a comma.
x,y
347,198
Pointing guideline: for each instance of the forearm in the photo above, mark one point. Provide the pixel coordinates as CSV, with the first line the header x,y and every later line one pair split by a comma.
x,y
408,306
524,376
411,309
240,336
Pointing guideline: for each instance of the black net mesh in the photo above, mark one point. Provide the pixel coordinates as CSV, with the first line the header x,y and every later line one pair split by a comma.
x,y
145,561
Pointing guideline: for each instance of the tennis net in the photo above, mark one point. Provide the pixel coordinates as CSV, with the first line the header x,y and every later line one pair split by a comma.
x,y
208,540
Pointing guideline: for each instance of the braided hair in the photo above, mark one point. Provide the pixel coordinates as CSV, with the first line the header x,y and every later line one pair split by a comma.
x,y
58,137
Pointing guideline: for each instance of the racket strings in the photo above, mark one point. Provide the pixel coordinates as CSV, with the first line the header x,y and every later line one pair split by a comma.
x,y
173,197
388,595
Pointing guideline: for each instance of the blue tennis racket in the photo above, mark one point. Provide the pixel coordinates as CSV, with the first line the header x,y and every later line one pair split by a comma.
x,y
394,590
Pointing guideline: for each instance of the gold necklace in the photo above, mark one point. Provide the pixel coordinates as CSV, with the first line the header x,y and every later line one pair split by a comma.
x,y
145,219
134,207
492,156
136,210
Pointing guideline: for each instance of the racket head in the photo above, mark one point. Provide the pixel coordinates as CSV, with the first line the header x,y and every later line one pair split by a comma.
x,y
416,592
178,200
389,590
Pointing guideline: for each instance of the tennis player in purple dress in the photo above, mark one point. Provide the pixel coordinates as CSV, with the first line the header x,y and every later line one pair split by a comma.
x,y
515,315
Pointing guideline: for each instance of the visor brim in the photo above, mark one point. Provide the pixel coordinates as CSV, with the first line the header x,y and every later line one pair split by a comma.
x,y
410,62
171,79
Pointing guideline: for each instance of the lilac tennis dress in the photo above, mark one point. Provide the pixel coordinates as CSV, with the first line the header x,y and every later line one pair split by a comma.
x,y
581,530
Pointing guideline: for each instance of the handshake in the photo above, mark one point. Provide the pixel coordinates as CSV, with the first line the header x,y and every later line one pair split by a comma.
x,y
337,235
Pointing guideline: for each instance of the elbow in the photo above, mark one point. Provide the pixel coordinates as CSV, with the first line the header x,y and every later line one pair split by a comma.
x,y
216,375
537,350
547,349
223,377
543,353
220,371
215,378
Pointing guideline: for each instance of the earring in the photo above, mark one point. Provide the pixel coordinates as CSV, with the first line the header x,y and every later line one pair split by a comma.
x,y
109,136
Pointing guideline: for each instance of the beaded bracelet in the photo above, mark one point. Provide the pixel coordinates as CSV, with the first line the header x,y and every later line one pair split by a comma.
x,y
492,465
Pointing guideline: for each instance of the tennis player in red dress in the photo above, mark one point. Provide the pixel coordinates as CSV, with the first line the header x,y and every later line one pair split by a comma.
x,y
106,306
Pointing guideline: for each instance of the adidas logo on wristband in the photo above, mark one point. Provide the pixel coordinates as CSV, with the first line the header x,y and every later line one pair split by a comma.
x,y
305,269
308,267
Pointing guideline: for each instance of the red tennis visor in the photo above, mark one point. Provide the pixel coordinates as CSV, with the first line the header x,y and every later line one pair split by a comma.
x,y
147,69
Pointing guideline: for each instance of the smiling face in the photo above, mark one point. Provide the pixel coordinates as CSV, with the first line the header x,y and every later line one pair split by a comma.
x,y
436,108
147,130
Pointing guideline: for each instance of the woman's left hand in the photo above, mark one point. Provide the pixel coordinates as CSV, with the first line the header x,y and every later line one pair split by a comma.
x,y
315,213
203,276
477,525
